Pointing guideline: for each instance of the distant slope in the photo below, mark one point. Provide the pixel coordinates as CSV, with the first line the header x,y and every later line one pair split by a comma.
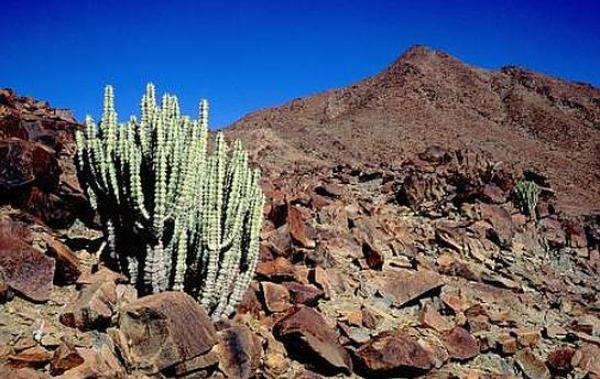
x,y
427,97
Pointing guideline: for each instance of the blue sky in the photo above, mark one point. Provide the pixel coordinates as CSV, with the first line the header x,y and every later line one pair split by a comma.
x,y
247,55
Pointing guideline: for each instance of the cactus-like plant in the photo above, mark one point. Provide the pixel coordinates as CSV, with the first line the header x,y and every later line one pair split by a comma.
x,y
175,216
527,193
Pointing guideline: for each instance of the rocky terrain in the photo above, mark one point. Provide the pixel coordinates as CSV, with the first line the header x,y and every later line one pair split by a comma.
x,y
386,252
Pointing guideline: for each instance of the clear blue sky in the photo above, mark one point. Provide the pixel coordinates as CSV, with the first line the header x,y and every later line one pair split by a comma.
x,y
246,55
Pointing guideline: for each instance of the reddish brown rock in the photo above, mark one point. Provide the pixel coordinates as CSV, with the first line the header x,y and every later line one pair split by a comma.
x,y
506,344
329,189
23,268
164,330
527,337
501,227
98,362
276,297
393,354
576,236
250,302
65,358
303,293
33,357
103,274
531,366
306,332
373,256
586,359
36,166
370,319
491,193
22,373
321,278
431,318
93,307
297,228
239,352
559,360
461,345
278,269
553,232
67,263
405,286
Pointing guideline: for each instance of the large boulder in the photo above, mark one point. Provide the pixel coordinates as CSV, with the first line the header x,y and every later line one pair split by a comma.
x,y
168,332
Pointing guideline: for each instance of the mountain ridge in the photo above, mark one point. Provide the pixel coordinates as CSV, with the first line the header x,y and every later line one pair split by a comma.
x,y
428,97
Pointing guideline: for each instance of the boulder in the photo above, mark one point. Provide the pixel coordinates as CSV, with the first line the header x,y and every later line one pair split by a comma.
x,y
165,331
22,267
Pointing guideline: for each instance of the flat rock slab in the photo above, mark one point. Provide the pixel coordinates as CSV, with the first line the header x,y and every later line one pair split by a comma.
x,y
163,330
405,286
93,308
461,344
239,352
393,353
531,366
305,331
25,269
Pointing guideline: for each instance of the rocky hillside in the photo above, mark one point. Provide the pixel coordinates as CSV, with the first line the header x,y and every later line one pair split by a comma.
x,y
427,97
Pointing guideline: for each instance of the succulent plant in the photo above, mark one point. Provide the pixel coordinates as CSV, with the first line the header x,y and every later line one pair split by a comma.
x,y
176,216
527,193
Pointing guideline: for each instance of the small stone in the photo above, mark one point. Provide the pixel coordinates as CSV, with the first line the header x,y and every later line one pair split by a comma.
x,y
359,335
555,331
304,329
527,337
93,307
303,293
329,190
461,345
532,367
405,286
586,358
455,302
33,357
392,353
297,229
507,344
321,278
21,373
278,269
370,319
559,360
65,358
276,297
238,352
67,263
98,362
430,318
103,274
355,318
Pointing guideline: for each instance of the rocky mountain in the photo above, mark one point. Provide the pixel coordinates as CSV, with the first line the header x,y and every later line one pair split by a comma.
x,y
427,97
